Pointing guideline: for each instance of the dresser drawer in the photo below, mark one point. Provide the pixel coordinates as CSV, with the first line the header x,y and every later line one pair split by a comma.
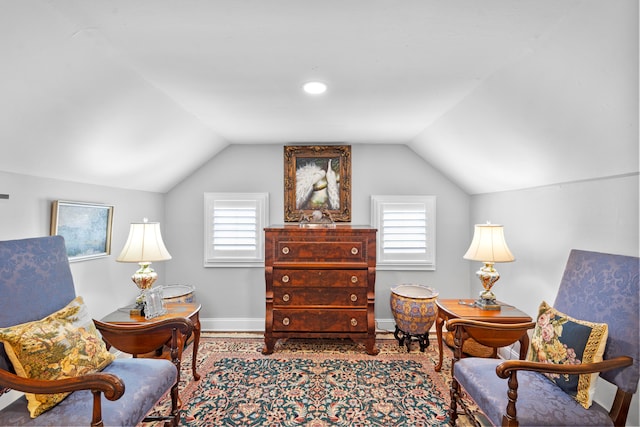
x,y
342,251
334,320
341,297
324,278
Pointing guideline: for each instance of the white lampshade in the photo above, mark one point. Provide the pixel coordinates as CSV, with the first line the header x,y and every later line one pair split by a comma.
x,y
144,244
488,245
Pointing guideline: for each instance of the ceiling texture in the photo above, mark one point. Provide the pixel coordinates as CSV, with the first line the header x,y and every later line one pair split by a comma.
x,y
495,94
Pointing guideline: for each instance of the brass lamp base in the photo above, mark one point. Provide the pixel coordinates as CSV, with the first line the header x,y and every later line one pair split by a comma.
x,y
488,276
144,279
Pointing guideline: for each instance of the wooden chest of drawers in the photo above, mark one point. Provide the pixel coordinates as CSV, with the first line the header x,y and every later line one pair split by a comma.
x,y
320,282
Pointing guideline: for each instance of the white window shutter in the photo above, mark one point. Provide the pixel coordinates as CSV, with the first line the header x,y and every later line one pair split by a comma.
x,y
406,231
234,224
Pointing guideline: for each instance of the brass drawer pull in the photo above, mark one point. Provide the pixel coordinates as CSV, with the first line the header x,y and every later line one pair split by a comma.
x,y
354,297
354,279
285,321
354,322
354,251
285,297
285,279
285,250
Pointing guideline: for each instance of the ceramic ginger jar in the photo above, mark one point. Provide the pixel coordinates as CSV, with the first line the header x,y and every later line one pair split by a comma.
x,y
414,308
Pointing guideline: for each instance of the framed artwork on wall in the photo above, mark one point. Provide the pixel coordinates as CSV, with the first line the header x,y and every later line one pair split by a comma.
x,y
86,228
317,178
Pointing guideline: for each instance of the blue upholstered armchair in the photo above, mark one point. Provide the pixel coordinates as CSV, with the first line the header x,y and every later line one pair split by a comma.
x,y
39,312
546,388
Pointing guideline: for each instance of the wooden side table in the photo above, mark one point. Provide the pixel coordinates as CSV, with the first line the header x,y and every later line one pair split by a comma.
x,y
174,309
463,309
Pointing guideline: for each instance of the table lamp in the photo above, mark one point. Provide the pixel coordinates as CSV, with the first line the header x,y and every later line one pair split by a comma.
x,y
144,245
488,246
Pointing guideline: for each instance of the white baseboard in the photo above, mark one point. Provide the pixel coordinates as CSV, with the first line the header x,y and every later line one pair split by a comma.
x,y
221,324
9,397
388,325
511,352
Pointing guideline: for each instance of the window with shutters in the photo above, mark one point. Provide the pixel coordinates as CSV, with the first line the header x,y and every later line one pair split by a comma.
x,y
406,232
234,224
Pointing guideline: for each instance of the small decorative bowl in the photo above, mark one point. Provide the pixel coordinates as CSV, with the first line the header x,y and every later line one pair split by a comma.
x,y
178,293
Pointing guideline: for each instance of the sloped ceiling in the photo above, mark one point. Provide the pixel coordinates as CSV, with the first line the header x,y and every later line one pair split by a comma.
x,y
496,94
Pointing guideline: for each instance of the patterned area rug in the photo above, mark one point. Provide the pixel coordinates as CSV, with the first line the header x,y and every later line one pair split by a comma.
x,y
315,383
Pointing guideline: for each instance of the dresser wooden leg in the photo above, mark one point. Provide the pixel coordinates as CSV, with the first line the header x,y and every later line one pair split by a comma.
x,y
371,347
269,343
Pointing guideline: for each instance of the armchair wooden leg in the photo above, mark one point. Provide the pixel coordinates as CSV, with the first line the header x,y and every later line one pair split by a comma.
x,y
458,340
97,409
620,407
177,345
510,419
175,406
454,393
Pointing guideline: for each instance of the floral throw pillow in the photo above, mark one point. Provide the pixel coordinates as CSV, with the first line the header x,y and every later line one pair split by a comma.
x,y
561,339
62,345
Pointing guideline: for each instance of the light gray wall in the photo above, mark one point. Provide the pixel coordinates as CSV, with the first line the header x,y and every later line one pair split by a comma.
x,y
543,224
233,298
103,283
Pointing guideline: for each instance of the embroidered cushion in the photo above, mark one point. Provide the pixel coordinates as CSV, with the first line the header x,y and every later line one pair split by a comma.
x,y
62,345
561,339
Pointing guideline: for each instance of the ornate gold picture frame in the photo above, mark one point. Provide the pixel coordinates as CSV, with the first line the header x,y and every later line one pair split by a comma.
x,y
317,178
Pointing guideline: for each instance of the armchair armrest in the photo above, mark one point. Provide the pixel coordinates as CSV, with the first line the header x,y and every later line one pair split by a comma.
x,y
505,369
109,384
509,369
99,382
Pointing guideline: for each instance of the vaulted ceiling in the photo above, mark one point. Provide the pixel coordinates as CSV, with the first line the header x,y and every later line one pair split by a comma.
x,y
496,94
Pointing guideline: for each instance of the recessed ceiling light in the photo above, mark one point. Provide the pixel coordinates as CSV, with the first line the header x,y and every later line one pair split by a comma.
x,y
315,88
